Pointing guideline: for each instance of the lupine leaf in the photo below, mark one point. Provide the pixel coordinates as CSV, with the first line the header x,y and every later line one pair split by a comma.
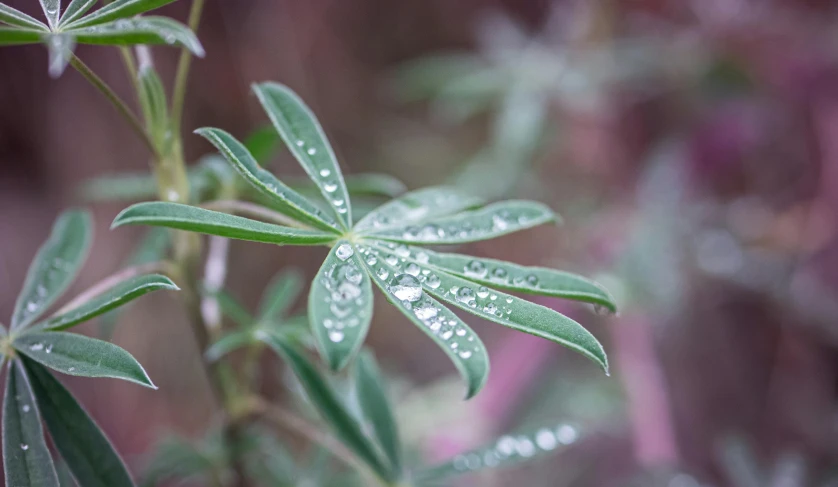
x,y
139,30
326,401
417,207
153,102
76,9
262,143
191,218
52,10
280,294
26,459
60,48
122,293
305,139
496,306
506,451
229,342
340,305
290,202
231,307
177,458
486,223
450,333
119,187
374,184
82,444
74,354
13,36
530,280
119,9
12,16
377,409
54,267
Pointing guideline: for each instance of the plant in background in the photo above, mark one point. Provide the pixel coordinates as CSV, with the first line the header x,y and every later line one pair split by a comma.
x,y
369,243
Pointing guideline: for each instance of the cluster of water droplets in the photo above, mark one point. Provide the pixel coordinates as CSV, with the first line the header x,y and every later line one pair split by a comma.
x,y
131,24
55,270
328,181
518,447
478,270
474,226
404,281
342,281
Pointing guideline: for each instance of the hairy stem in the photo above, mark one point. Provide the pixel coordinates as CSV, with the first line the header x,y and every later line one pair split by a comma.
x,y
179,91
115,100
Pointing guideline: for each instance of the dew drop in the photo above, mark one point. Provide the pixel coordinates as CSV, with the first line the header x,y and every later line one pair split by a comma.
x,y
465,295
476,269
344,251
499,274
336,336
422,257
508,300
566,434
31,306
406,287
482,292
402,250
338,202
391,260
461,332
382,273
372,260
446,334
525,447
325,172
545,439
532,280
24,446
465,354
506,446
300,143
71,369
36,347
311,151
425,310
330,187
412,269
601,310
490,308
433,281
25,408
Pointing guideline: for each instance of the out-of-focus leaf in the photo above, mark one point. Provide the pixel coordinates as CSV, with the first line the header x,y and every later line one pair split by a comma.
x,y
12,36
280,294
12,16
508,450
416,207
26,459
377,410
82,444
74,354
374,184
340,305
531,280
119,9
185,217
52,10
114,297
290,202
496,306
175,458
450,333
229,342
60,47
269,462
263,143
76,9
326,401
154,105
423,78
54,267
231,307
139,30
483,224
122,187
305,139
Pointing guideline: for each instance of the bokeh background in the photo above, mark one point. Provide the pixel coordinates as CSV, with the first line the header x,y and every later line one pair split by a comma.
x,y
691,147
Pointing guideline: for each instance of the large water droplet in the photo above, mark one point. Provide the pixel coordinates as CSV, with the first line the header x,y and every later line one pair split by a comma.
x,y
382,273
412,269
532,280
406,288
482,292
344,251
490,308
499,274
465,295
425,310
476,269
432,281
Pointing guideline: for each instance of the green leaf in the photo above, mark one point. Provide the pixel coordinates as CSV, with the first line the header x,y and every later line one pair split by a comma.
x,y
76,9
26,459
446,329
374,184
122,293
194,219
52,10
496,306
340,305
231,307
280,294
123,187
11,16
82,444
60,47
155,109
54,267
305,139
417,207
377,409
506,451
286,199
74,354
13,36
530,280
177,458
119,9
229,342
486,223
139,30
326,401
262,143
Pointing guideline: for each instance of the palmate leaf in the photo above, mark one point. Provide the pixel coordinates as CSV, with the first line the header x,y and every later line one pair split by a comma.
x,y
280,294
416,207
74,354
494,305
54,267
185,217
26,459
119,9
288,200
114,297
377,409
486,223
451,334
340,305
52,10
82,444
139,30
76,9
12,16
305,139
330,408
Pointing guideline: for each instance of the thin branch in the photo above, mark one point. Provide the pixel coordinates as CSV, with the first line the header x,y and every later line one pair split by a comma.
x,y
179,91
253,210
115,100
215,273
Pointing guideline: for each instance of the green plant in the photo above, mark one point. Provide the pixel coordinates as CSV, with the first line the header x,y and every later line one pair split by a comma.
x,y
369,242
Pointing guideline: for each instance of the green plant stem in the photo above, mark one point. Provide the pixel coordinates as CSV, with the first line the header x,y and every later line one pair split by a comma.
x,y
182,74
114,99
